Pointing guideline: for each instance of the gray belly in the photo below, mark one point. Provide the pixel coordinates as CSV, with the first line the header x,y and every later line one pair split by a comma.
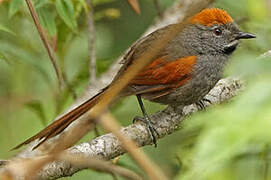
x,y
205,75
190,93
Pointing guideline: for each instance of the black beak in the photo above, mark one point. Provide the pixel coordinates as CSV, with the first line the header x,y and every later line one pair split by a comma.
x,y
244,35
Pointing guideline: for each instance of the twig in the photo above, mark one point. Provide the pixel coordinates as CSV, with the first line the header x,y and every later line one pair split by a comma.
x,y
165,122
44,40
28,168
111,125
92,52
134,4
80,161
158,8
91,44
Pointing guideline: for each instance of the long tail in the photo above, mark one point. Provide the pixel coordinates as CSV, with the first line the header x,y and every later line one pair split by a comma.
x,y
62,123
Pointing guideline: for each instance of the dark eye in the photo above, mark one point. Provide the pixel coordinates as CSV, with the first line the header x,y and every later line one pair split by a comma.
x,y
217,31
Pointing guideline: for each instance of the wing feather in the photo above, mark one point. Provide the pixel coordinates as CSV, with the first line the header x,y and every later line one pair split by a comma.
x,y
164,72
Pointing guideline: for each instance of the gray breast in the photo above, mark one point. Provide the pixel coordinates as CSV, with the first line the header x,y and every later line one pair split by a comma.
x,y
207,71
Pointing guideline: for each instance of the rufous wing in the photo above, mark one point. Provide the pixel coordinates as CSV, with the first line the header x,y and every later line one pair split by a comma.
x,y
162,76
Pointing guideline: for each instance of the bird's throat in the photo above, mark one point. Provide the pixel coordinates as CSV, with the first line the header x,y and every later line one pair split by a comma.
x,y
230,48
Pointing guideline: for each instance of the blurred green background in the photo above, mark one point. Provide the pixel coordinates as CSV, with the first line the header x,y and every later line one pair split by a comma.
x,y
227,141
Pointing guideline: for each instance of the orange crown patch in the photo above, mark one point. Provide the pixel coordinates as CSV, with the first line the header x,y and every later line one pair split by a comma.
x,y
209,17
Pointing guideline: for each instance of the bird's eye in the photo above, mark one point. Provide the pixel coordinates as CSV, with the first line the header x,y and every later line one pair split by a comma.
x,y
217,31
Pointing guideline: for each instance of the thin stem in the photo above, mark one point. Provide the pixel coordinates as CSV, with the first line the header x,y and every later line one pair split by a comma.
x,y
44,40
99,165
91,41
134,4
152,170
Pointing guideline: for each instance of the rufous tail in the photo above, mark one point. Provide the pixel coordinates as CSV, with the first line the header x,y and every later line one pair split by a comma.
x,y
62,123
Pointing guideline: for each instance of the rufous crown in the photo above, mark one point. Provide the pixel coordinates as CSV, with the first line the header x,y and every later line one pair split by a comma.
x,y
211,16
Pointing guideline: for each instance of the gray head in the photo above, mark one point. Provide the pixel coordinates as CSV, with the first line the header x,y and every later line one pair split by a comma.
x,y
213,31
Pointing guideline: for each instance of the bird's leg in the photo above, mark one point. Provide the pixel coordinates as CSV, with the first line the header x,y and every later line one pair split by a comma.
x,y
201,103
146,120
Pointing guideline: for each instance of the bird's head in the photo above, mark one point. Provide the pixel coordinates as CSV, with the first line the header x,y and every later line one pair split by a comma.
x,y
214,31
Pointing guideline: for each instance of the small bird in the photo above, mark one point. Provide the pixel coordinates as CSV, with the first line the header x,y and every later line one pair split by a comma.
x,y
182,73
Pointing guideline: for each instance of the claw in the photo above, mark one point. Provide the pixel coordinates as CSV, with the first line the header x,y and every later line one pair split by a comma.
x,y
207,100
138,119
201,103
151,130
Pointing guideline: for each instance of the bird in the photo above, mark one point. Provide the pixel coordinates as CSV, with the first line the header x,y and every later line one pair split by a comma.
x,y
181,73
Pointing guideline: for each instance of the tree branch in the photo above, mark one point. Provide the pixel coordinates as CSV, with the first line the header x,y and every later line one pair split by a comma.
x,y
99,165
166,122
91,44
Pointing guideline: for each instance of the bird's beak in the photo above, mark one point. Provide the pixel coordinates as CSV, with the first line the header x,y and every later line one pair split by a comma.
x,y
244,35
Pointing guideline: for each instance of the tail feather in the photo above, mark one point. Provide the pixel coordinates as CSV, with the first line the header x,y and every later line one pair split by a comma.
x,y
62,123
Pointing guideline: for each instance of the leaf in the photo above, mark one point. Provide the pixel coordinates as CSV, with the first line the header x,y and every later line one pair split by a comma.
x,y
37,108
47,20
6,29
41,3
65,9
100,2
14,7
84,4
134,4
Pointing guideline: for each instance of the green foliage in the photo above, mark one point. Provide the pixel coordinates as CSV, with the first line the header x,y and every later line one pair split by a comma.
x,y
65,9
81,5
14,7
46,16
231,131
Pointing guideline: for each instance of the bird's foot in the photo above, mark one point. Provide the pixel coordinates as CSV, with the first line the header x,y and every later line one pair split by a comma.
x,y
202,103
152,131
